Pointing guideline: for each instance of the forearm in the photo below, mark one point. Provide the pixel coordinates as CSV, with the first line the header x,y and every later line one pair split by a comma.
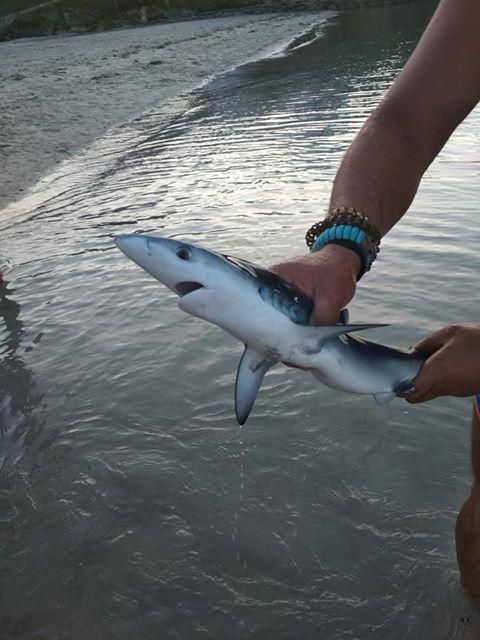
x,y
381,171
435,91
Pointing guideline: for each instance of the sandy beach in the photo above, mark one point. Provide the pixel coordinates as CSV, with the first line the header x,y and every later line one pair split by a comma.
x,y
59,94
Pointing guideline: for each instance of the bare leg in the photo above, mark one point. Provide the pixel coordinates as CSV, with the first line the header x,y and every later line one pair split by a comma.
x,y
467,531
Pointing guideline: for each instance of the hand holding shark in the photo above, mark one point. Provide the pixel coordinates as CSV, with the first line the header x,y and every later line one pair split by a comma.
x,y
270,316
328,277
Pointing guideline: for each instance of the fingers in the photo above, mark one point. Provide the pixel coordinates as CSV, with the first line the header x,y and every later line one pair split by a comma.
x,y
328,277
432,380
326,309
426,385
418,397
436,340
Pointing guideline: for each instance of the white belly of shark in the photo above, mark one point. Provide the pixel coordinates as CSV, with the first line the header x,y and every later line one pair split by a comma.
x,y
270,316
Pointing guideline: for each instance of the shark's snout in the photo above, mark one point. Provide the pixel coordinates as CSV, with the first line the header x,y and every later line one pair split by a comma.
x,y
169,261
151,253
133,246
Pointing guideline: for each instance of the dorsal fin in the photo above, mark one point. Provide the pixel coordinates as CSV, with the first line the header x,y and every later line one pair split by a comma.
x,y
251,370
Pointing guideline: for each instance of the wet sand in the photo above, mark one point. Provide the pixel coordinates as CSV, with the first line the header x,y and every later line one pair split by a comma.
x,y
60,94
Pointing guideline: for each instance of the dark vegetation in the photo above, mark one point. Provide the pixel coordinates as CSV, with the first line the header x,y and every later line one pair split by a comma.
x,y
48,17
23,18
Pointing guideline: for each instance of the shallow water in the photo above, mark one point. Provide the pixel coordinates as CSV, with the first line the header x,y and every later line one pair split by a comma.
x,y
132,505
61,93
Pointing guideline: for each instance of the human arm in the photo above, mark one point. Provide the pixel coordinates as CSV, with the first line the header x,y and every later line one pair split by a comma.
x,y
380,173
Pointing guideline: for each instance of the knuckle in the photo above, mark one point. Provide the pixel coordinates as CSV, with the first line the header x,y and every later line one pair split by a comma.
x,y
453,330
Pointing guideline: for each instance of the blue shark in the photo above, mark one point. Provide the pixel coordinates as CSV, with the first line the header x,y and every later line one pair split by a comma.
x,y
271,317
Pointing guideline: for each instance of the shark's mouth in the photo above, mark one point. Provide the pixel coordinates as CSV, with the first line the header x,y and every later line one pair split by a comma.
x,y
183,288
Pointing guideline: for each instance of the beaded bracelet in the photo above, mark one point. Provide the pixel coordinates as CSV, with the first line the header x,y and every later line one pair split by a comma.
x,y
344,215
348,228
352,238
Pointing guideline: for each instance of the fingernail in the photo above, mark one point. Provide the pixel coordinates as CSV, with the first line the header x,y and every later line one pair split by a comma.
x,y
406,389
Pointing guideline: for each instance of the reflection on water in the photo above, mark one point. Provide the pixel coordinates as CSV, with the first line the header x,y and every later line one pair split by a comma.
x,y
18,399
20,422
138,508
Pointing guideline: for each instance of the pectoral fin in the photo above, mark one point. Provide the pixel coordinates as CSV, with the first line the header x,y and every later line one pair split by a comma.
x,y
251,370
313,336
331,330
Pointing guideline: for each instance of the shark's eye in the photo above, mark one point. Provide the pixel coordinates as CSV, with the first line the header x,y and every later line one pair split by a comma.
x,y
183,253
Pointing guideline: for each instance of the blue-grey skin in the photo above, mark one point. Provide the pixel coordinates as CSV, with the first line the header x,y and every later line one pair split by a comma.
x,y
366,358
271,316
398,365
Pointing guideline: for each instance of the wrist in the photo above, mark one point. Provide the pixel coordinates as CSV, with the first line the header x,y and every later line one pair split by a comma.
x,y
346,259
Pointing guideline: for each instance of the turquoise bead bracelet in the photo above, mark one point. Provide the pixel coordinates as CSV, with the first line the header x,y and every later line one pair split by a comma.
x,y
351,237
339,232
351,229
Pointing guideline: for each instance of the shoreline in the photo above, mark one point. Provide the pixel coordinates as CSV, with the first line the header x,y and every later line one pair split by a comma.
x,y
63,93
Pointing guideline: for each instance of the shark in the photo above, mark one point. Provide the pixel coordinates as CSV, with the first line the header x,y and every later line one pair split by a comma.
x,y
271,317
